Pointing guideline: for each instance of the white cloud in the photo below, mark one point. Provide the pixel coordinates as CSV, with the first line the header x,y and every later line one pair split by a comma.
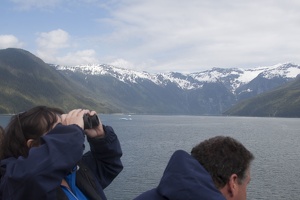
x,y
55,39
78,57
156,35
53,45
49,44
201,33
7,41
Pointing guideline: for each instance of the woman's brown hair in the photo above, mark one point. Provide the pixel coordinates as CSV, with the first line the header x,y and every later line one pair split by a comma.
x,y
31,124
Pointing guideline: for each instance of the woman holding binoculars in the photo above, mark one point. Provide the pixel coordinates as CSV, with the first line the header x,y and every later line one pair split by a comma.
x,y
42,156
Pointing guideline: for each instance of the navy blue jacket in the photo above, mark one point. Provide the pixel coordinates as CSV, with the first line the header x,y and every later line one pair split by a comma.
x,y
40,174
184,179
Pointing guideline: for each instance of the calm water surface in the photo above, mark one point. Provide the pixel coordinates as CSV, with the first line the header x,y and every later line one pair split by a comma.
x,y
148,142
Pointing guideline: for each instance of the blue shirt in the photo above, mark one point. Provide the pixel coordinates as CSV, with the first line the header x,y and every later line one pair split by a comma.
x,y
74,192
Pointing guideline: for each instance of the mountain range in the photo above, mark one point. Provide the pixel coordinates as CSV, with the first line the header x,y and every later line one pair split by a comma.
x,y
28,81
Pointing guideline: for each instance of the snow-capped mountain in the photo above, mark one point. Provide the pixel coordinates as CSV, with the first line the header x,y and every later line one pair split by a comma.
x,y
232,78
111,89
207,92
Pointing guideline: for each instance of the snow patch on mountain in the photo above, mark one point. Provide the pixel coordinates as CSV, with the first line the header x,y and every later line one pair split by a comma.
x,y
233,78
284,70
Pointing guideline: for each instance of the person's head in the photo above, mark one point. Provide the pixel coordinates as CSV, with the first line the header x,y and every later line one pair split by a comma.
x,y
228,163
25,130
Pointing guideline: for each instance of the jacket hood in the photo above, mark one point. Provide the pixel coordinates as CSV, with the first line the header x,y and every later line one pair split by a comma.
x,y
185,178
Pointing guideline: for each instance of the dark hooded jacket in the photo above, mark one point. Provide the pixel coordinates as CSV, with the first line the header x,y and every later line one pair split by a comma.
x,y
40,174
184,179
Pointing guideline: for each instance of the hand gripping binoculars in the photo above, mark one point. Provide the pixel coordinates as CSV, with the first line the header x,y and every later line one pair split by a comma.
x,y
90,121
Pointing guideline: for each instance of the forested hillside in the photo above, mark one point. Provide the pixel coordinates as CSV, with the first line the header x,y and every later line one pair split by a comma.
x,y
27,81
281,102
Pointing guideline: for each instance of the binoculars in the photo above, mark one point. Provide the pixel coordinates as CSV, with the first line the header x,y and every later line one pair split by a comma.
x,y
90,121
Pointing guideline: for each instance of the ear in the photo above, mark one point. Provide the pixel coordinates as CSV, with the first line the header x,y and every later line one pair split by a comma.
x,y
233,185
30,143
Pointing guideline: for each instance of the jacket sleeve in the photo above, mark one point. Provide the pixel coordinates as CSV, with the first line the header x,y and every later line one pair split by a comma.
x,y
104,157
45,165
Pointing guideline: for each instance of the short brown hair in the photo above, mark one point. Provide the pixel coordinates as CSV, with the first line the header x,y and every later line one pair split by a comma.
x,y
223,156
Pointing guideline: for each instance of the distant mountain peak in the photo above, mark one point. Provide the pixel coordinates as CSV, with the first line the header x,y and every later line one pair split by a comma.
x,y
233,78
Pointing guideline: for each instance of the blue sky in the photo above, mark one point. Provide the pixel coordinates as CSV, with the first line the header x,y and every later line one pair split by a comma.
x,y
155,35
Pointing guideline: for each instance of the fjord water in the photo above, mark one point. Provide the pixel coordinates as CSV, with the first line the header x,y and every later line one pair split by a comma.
x,y
148,141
